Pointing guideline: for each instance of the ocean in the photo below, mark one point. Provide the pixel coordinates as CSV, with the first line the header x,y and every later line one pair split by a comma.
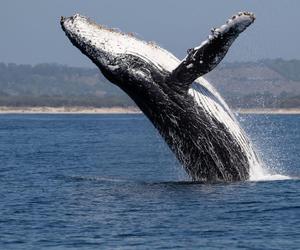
x,y
109,182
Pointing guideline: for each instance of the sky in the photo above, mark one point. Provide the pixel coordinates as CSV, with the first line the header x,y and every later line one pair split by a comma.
x,y
31,33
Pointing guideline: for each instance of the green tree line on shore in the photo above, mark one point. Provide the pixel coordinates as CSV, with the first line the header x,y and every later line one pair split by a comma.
x,y
267,83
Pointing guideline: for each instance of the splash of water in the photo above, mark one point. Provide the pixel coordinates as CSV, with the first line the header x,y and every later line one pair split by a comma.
x,y
259,172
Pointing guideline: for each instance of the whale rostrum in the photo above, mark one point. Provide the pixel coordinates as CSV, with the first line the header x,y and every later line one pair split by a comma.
x,y
183,106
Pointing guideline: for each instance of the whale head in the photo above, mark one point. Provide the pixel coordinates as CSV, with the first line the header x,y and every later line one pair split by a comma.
x,y
121,57
93,40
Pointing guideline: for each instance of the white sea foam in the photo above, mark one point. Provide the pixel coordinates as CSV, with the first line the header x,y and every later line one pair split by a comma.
x,y
271,177
260,173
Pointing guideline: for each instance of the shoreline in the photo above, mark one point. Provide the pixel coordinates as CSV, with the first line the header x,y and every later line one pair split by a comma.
x,y
120,110
268,111
68,110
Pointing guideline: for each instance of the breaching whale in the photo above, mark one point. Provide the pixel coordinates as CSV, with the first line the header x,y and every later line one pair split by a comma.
x,y
184,107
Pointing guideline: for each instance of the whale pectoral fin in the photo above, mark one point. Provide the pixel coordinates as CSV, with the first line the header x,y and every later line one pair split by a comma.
x,y
202,59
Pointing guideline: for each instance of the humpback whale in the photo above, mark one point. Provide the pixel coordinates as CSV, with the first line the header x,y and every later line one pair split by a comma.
x,y
183,106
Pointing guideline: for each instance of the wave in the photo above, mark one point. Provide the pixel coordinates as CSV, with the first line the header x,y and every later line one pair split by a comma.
x,y
97,179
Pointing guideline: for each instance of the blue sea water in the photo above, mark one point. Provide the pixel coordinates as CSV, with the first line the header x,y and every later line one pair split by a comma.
x,y
110,182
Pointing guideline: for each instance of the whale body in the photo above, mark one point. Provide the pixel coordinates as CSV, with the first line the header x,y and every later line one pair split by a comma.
x,y
183,106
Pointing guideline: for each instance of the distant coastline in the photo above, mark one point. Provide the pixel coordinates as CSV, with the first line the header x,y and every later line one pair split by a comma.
x,y
121,110
272,84
68,110
276,111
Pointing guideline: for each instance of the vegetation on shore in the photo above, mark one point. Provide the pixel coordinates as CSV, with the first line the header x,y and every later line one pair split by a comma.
x,y
263,84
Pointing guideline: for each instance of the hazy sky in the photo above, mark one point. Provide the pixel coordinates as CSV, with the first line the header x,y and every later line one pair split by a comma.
x,y
30,30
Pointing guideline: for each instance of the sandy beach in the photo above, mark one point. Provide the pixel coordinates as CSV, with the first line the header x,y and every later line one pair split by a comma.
x,y
68,110
292,111
119,110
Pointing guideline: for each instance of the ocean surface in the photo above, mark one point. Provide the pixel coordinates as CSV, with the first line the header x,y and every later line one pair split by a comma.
x,y
110,182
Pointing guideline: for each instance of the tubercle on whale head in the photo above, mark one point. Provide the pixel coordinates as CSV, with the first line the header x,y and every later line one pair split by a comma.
x,y
108,48
93,41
